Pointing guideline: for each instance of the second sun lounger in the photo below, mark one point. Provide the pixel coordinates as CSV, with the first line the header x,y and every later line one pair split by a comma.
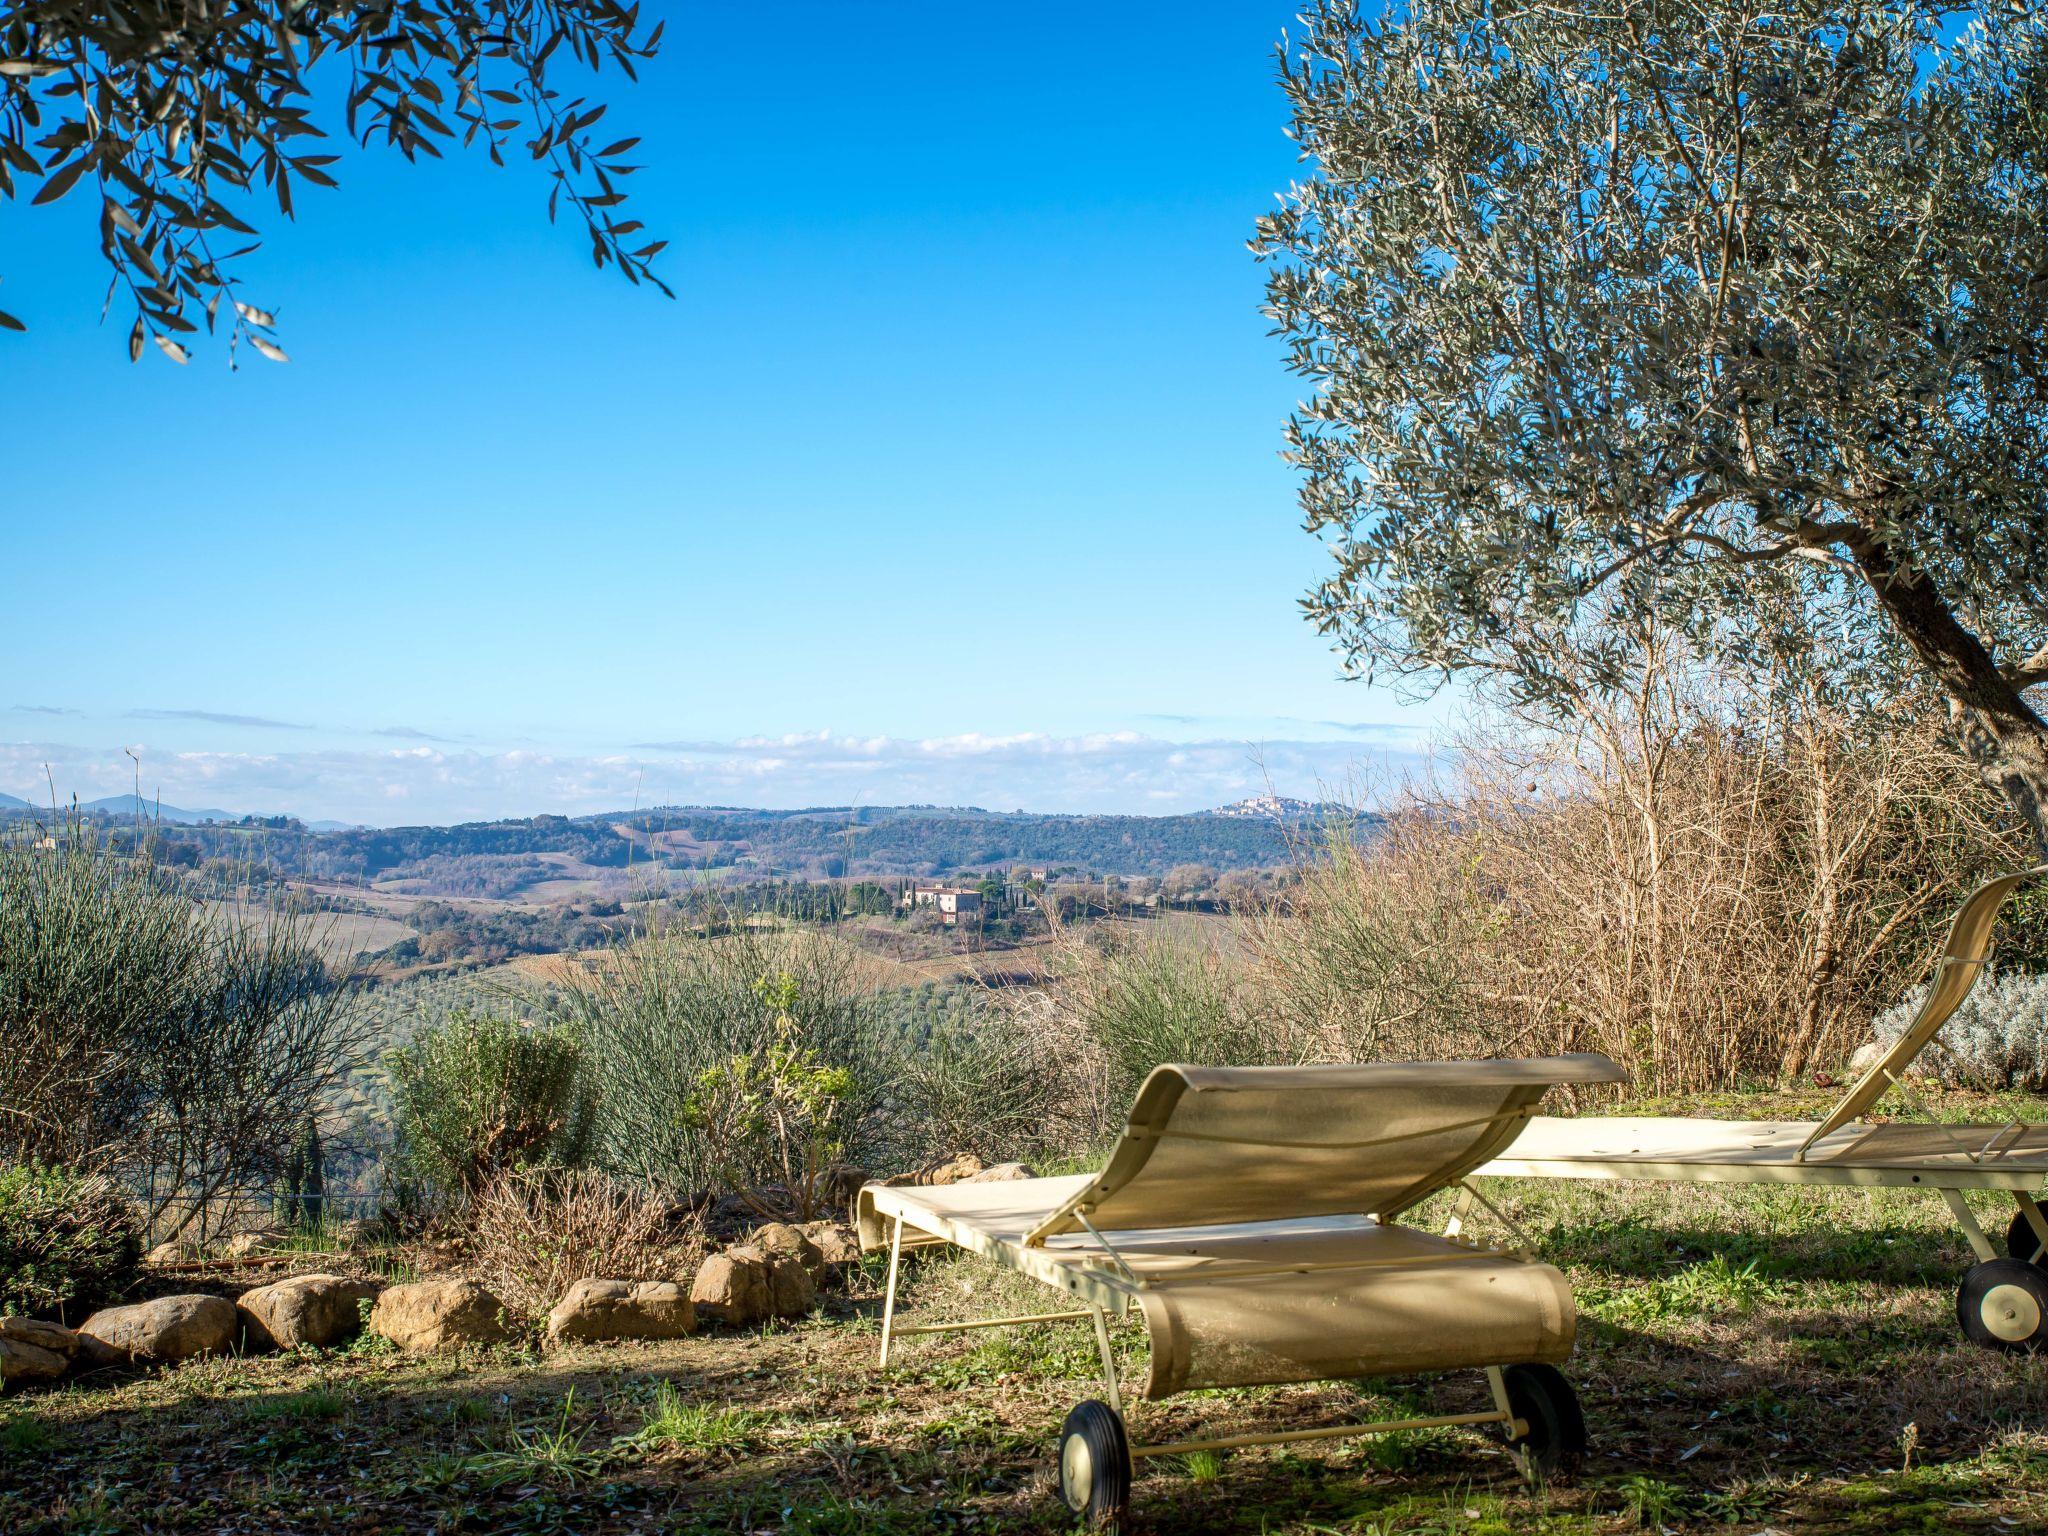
x,y
1252,1215
2002,1302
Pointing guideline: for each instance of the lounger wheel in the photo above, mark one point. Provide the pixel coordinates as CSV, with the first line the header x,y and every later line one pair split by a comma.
x,y
1555,1443
2003,1304
2022,1242
1095,1463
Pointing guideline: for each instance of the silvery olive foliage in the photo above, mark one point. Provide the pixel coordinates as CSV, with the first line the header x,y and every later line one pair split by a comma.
x,y
1998,1038
1708,315
176,115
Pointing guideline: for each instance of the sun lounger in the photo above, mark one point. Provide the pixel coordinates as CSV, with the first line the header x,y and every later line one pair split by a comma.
x,y
2003,1300
1252,1215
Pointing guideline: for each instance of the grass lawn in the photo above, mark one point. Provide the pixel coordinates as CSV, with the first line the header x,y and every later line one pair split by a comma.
x,y
1748,1359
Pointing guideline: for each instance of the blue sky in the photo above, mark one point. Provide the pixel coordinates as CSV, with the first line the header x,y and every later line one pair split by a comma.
x,y
951,474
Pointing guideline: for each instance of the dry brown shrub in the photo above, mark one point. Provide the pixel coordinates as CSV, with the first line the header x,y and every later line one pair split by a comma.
x,y
1715,889
535,1232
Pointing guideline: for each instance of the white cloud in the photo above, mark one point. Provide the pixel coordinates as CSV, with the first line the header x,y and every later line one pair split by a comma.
x,y
1106,771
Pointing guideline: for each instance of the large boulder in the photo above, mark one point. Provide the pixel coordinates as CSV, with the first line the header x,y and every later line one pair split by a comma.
x,y
54,1337
732,1288
29,1362
836,1244
1001,1173
251,1245
34,1351
792,1292
622,1309
746,1285
430,1315
320,1310
791,1242
162,1331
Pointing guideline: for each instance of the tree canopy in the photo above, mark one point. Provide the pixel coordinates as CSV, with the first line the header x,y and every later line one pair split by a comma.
x,y
179,115
1704,314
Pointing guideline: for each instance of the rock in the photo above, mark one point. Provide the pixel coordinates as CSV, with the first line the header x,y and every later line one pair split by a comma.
x,y
20,1361
168,1253
320,1310
952,1170
167,1329
841,1187
248,1245
430,1315
837,1245
732,1288
746,1285
622,1309
1001,1173
53,1337
791,1242
791,1290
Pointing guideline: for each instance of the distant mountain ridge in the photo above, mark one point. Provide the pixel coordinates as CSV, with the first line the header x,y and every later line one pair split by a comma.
x,y
719,843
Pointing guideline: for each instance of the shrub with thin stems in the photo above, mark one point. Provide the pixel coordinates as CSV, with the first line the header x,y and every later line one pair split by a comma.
x,y
177,1047
1153,993
475,1095
988,1088
660,1012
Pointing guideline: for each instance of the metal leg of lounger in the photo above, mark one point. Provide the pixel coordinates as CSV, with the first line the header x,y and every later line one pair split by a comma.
x,y
1108,1358
889,1300
1979,1243
1458,1209
1517,1429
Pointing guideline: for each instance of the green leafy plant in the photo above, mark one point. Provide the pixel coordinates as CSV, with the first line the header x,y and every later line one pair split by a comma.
x,y
476,1095
772,1119
68,1242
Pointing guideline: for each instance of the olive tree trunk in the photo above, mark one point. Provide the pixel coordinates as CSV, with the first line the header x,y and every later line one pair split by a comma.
x,y
2003,734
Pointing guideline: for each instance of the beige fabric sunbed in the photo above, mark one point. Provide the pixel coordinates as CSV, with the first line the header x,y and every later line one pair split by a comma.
x,y
2003,1301
1252,1215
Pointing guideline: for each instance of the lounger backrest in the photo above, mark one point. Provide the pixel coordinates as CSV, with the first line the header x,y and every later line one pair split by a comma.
x,y
1210,1145
1965,955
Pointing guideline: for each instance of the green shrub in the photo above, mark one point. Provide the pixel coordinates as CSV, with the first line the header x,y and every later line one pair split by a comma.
x,y
991,1088
760,1000
177,1047
1163,996
476,1095
68,1242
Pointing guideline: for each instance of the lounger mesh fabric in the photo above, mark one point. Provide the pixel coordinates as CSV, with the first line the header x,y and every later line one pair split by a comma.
x,y
1250,1214
1211,1145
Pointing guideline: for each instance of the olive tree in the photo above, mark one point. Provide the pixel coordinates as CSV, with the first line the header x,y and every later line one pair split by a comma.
x,y
176,114
1713,316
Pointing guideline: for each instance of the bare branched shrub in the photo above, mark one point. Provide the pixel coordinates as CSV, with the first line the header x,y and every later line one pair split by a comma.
x,y
534,1232
1715,888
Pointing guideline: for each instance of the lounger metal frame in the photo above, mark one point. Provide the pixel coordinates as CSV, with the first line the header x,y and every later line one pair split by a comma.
x,y
1107,1290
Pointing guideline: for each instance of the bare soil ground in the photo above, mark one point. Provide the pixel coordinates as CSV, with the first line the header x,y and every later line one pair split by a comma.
x,y
1749,1360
